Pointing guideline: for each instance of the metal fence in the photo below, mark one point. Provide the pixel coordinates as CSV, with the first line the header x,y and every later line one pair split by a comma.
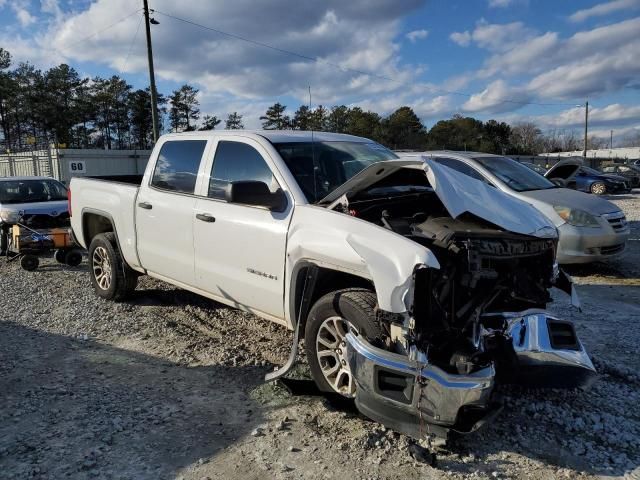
x,y
63,164
42,162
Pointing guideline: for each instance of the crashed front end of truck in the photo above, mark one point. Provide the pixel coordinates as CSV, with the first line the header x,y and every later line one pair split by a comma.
x,y
473,323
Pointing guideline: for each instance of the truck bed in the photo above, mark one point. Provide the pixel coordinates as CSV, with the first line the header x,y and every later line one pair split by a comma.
x,y
114,199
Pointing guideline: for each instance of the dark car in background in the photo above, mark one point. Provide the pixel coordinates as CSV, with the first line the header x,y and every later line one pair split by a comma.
x,y
572,173
630,172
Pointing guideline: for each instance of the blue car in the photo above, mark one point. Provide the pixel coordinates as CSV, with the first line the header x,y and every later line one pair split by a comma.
x,y
573,174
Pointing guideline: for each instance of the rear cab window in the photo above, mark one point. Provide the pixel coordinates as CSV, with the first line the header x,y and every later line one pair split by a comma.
x,y
177,166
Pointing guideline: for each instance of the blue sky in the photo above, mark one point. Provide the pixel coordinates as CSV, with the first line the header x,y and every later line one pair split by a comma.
x,y
440,57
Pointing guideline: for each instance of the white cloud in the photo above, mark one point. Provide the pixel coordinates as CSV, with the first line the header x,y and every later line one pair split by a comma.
x,y
461,38
603,9
417,35
590,62
23,16
494,37
499,3
496,98
499,37
346,33
621,118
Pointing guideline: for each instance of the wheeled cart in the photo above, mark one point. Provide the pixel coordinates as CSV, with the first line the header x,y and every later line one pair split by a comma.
x,y
27,244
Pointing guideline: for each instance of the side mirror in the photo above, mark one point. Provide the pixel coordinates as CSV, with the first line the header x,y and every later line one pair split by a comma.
x,y
256,194
559,182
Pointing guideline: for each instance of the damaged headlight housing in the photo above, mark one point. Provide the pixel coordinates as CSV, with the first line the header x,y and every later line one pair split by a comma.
x,y
576,217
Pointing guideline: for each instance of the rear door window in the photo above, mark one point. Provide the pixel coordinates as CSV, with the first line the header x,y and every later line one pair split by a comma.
x,y
177,165
235,162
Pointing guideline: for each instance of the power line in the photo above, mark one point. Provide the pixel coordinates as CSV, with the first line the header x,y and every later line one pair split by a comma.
x,y
133,41
338,66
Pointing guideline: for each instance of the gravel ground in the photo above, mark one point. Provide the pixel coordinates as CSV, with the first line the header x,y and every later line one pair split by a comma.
x,y
169,385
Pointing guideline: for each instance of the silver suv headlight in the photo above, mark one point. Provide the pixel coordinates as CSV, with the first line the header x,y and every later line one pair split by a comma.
x,y
576,217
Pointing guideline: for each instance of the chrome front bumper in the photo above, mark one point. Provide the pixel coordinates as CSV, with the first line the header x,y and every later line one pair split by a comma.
x,y
418,398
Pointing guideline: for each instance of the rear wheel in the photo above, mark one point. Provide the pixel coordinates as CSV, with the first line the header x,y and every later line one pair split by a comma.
x,y
29,262
59,256
111,277
330,319
4,240
598,188
73,258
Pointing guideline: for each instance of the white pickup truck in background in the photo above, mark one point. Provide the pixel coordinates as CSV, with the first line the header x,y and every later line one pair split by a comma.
x,y
402,275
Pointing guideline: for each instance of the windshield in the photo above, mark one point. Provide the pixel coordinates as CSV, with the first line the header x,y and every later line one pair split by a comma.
x,y
31,191
514,174
321,167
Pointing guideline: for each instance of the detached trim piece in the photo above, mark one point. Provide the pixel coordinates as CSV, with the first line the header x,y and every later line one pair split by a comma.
x,y
305,304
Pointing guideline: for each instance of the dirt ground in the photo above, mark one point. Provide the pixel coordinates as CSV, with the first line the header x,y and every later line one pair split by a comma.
x,y
169,385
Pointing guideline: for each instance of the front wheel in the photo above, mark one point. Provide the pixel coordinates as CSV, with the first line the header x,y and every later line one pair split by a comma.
x,y
598,188
111,277
330,319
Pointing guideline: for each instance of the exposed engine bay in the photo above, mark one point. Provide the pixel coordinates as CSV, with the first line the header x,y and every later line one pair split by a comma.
x,y
476,321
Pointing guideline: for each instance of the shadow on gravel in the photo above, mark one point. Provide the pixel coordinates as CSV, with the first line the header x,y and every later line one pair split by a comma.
x,y
153,297
81,409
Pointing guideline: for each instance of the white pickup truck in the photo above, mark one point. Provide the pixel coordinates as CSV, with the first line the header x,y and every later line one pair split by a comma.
x,y
416,288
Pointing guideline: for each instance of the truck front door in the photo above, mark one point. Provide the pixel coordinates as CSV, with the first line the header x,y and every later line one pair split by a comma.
x,y
240,249
165,211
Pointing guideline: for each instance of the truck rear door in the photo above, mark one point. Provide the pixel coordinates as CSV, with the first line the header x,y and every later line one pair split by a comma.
x,y
240,249
165,210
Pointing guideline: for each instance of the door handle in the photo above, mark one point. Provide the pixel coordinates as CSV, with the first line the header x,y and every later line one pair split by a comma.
x,y
145,205
205,217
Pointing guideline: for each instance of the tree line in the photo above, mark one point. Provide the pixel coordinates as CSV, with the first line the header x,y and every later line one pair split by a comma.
x,y
403,130
59,106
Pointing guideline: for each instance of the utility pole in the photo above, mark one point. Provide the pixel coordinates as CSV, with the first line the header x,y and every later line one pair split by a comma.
x,y
611,141
586,122
152,78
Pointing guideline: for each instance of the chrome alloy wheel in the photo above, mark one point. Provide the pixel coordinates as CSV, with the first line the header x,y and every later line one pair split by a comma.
x,y
331,353
101,268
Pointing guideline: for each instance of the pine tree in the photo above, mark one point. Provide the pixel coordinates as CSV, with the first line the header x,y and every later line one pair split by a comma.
x,y
234,122
210,122
275,119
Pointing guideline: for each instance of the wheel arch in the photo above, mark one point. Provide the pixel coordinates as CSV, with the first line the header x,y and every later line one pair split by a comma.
x,y
95,222
325,280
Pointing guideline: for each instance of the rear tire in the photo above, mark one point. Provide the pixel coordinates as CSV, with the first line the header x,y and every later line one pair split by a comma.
x,y
111,277
29,263
4,240
73,258
598,188
59,256
331,317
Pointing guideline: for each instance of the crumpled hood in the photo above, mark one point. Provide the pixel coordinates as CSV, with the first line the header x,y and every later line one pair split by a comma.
x,y
460,193
565,197
53,208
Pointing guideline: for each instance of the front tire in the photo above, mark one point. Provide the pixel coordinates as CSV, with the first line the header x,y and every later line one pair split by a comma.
x,y
598,188
329,320
111,277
